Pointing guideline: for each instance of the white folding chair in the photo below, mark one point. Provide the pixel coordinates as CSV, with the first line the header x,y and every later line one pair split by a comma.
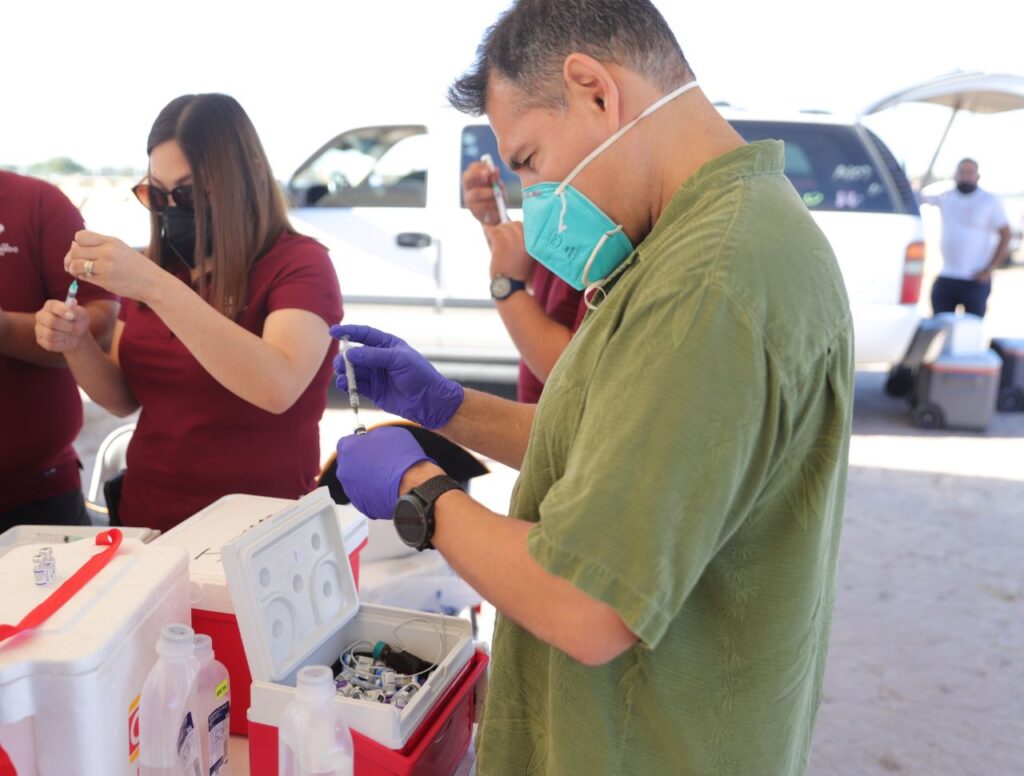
x,y
110,461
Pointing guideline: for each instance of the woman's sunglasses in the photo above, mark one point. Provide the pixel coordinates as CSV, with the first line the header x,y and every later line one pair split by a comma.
x,y
157,200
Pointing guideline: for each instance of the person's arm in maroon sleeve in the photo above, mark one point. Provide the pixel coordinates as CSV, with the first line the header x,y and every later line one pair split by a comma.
x,y
538,337
59,220
270,371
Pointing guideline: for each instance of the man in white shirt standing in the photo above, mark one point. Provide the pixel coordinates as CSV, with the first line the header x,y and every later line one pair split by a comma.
x,y
975,241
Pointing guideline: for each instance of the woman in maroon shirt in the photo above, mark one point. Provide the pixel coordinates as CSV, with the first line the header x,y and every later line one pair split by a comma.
x,y
223,337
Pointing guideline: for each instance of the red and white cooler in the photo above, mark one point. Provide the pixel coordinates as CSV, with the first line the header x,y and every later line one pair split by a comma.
x,y
296,602
70,687
205,533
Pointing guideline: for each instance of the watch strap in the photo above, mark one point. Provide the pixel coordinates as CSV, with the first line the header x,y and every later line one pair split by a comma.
x,y
513,286
431,490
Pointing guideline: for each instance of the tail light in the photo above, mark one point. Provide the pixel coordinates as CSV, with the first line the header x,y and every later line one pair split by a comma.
x,y
913,270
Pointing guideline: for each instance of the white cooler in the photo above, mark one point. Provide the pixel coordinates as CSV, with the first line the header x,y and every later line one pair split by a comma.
x,y
69,690
203,535
296,602
49,535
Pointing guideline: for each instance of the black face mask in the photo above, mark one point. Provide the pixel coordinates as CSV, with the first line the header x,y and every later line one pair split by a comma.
x,y
966,188
178,236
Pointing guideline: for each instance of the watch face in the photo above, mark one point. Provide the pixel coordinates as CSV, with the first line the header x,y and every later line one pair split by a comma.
x,y
501,286
409,521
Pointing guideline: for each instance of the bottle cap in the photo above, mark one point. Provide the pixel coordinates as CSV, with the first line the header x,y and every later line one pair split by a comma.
x,y
204,647
315,684
176,641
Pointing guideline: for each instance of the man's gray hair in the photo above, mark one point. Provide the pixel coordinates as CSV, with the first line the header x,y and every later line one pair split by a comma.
x,y
530,41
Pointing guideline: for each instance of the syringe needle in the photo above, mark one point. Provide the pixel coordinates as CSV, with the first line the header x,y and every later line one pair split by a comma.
x,y
353,391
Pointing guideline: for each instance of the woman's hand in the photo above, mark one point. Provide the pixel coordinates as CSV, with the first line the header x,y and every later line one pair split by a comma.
x,y
508,251
478,194
59,328
110,264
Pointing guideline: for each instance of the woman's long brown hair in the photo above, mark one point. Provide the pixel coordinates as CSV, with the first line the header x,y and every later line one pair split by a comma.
x,y
239,208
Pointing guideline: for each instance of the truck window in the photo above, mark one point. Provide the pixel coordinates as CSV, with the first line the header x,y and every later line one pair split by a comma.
x,y
827,164
368,167
477,140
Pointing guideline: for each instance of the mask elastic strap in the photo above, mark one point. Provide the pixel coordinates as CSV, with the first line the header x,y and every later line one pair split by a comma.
x,y
623,130
598,286
561,215
588,294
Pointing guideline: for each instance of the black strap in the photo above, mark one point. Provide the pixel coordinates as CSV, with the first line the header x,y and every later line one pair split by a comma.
x,y
431,490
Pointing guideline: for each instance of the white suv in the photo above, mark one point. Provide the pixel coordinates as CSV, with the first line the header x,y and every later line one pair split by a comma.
x,y
386,200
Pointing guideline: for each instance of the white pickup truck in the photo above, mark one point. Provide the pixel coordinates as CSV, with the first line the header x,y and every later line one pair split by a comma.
x,y
386,200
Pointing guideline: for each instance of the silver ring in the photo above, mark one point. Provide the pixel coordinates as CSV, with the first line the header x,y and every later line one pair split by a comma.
x,y
88,266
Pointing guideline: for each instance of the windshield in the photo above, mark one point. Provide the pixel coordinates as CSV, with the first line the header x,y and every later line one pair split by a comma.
x,y
370,167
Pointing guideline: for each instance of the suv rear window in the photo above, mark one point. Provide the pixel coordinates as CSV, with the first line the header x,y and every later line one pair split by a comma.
x,y
828,165
477,140
382,166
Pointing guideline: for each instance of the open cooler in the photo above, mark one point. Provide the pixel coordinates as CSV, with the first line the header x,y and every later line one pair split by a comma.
x,y
203,535
296,603
70,688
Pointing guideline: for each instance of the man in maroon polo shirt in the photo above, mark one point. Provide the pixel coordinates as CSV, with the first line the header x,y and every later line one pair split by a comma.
x,y
40,408
543,317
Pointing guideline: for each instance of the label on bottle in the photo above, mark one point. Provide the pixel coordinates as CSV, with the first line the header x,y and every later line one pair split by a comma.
x,y
188,747
219,737
222,689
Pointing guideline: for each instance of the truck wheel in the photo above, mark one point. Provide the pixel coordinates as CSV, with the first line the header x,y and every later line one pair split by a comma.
x,y
900,382
927,416
1010,400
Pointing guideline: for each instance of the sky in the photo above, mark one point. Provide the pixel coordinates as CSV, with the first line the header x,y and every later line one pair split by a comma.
x,y
85,79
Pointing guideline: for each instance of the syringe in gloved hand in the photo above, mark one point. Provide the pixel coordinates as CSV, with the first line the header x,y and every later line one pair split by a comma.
x,y
353,390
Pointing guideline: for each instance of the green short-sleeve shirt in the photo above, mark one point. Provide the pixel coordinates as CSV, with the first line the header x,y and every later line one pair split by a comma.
x,y
687,466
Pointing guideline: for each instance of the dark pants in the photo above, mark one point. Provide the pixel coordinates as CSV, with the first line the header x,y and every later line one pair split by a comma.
x,y
65,509
947,293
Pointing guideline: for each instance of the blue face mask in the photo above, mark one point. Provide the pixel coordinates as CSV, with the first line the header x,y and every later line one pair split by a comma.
x,y
568,233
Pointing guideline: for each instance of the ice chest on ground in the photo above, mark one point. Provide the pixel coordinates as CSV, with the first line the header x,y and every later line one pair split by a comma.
x,y
1011,385
296,603
69,690
202,535
958,391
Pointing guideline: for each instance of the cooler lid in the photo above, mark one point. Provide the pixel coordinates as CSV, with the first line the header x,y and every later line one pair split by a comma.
x,y
984,360
291,585
207,531
83,633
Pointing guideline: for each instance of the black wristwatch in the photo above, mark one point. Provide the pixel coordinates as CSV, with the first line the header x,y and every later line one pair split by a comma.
x,y
502,287
414,512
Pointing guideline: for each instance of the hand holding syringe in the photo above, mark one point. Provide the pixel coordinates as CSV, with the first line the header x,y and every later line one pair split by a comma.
x,y
499,194
353,390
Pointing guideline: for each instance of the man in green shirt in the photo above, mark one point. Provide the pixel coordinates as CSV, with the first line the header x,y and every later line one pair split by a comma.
x,y
666,574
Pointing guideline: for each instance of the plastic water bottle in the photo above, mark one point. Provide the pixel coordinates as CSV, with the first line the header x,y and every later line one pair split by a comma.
x,y
168,739
214,706
314,739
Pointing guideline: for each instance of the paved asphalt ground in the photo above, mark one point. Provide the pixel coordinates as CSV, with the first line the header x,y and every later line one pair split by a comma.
x,y
926,668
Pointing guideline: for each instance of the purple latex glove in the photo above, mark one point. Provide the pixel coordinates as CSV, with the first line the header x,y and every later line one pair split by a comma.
x,y
371,465
397,378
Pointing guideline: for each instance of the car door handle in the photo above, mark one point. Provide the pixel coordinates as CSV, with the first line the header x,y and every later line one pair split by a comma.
x,y
414,240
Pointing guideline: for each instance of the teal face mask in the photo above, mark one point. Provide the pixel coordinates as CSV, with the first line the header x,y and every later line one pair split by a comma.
x,y
568,233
